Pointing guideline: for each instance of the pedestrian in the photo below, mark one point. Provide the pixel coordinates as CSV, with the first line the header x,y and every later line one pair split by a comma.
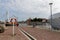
x,y
34,25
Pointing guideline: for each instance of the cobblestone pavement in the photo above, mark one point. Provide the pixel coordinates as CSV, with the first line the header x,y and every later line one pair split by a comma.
x,y
42,34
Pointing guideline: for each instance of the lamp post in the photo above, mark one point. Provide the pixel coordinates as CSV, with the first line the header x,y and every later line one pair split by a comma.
x,y
51,11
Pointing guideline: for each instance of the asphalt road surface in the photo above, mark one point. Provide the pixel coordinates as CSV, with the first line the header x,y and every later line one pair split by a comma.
x,y
42,34
8,34
29,32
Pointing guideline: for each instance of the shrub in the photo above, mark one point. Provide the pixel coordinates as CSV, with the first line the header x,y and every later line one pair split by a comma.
x,y
1,29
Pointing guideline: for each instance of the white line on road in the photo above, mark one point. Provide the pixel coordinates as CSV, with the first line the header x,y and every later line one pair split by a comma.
x,y
28,34
24,34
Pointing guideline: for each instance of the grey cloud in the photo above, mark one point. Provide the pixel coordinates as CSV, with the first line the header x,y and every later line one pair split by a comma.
x,y
32,7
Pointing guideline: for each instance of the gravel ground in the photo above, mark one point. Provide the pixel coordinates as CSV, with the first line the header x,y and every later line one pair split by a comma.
x,y
42,34
7,35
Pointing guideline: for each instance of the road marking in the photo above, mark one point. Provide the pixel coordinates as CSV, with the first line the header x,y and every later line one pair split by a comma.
x,y
24,32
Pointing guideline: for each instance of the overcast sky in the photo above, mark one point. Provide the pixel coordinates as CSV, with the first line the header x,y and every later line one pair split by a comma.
x,y
24,9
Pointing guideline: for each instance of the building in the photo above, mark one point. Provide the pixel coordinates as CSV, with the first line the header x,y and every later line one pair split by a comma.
x,y
36,21
55,21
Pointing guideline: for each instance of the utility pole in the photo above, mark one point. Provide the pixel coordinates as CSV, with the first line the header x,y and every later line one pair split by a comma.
x,y
7,14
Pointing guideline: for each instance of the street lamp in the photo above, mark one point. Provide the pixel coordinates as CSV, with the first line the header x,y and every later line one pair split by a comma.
x,y
51,11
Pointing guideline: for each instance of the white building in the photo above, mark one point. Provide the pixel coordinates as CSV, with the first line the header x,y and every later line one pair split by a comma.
x,y
55,21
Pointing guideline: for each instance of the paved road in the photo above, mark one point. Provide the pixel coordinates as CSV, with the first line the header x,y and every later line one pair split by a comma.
x,y
7,35
39,34
42,34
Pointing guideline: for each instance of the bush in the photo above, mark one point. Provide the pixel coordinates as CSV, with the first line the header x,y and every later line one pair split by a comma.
x,y
1,29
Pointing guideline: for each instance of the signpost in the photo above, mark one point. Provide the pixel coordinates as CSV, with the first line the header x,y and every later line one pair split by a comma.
x,y
13,26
